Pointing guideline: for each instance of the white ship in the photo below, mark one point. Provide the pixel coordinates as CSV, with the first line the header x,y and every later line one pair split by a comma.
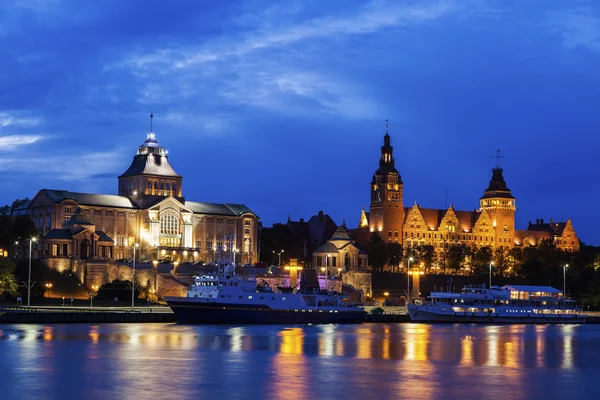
x,y
507,304
227,298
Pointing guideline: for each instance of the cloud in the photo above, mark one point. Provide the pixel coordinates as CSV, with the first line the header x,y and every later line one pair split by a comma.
x,y
10,143
7,119
579,28
374,17
296,92
78,167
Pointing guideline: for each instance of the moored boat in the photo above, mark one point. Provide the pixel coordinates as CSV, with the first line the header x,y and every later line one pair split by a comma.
x,y
227,298
507,304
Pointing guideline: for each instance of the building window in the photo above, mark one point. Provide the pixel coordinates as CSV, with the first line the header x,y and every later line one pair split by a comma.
x,y
65,251
247,231
66,218
389,233
169,222
199,245
395,233
68,210
333,261
247,246
247,222
319,261
209,245
173,187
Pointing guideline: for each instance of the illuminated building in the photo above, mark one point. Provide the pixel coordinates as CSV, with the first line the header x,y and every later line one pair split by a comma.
x,y
492,224
149,210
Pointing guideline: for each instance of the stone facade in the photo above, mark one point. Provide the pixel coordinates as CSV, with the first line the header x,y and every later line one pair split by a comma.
x,y
359,280
492,224
150,212
339,254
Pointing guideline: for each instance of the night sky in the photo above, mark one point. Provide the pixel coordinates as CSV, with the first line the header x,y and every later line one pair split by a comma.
x,y
282,105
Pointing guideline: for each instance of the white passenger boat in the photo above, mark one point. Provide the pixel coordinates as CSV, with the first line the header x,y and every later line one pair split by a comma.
x,y
227,298
507,304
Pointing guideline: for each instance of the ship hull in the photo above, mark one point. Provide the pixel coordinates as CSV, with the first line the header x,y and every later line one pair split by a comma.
x,y
221,313
417,315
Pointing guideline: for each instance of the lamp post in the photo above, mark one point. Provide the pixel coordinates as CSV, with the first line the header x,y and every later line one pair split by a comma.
x,y
133,278
94,287
29,279
565,281
408,280
48,286
491,263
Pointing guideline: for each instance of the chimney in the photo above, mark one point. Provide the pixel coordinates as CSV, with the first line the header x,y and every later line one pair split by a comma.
x,y
301,219
321,216
537,221
541,220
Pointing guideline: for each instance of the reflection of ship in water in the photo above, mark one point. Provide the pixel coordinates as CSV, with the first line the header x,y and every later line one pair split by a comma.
x,y
229,298
507,304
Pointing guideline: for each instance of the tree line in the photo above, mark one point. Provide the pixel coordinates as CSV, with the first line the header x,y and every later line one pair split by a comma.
x,y
541,265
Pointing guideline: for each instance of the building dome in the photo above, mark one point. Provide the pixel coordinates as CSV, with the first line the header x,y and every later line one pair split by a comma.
x,y
151,159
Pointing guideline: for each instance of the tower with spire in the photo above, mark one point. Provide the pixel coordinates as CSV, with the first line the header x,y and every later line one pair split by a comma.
x,y
387,209
500,205
150,173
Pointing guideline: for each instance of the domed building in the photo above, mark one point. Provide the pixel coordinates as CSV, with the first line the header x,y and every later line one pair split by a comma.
x,y
150,214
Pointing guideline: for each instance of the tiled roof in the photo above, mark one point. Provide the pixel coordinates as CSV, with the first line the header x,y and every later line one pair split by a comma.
x,y
103,237
58,234
239,209
217,209
326,248
90,199
150,164
555,228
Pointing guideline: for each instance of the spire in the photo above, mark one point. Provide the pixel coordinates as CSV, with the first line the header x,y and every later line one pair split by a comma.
x,y
386,127
498,157
151,117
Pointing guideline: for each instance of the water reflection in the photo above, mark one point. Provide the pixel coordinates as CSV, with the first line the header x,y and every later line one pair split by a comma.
x,y
418,360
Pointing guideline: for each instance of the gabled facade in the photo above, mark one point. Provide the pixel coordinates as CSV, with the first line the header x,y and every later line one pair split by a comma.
x,y
150,211
492,224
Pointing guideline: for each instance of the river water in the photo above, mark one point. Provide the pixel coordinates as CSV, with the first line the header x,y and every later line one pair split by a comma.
x,y
378,361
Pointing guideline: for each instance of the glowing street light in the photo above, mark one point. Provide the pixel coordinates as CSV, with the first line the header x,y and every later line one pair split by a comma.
x,y
29,280
408,280
94,288
565,280
133,277
491,263
48,286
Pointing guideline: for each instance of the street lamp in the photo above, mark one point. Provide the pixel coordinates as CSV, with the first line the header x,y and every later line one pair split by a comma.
x,y
94,288
48,286
133,277
491,263
279,253
29,280
408,280
323,269
565,281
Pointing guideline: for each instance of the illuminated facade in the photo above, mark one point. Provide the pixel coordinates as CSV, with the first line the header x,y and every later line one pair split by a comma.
x,y
150,211
492,224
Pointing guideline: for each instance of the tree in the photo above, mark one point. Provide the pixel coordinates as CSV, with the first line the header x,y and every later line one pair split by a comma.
x,y
394,254
482,258
8,282
377,253
427,256
456,257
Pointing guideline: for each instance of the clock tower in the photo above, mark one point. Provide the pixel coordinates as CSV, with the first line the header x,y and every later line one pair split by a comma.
x,y
387,209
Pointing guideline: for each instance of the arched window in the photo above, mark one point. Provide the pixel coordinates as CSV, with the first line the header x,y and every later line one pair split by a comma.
x,y
169,222
173,188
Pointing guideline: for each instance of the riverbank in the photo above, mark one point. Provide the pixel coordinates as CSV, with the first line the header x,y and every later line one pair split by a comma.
x,y
56,315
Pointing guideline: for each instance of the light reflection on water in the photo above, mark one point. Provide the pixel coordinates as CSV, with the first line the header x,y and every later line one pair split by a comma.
x,y
325,361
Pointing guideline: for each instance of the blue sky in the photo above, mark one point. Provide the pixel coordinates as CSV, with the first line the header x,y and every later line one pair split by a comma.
x,y
282,105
